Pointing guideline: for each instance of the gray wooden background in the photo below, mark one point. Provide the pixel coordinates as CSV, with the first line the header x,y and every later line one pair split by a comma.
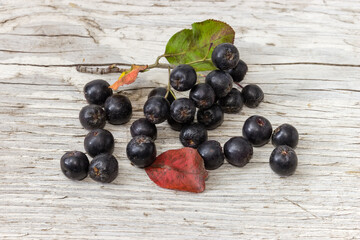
x,y
304,54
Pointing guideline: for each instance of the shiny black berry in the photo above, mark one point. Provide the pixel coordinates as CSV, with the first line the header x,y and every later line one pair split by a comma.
x,y
238,151
225,56
220,81
118,109
285,134
99,141
193,135
257,130
183,77
252,95
74,165
104,168
283,160
212,154
161,91
141,151
156,109
232,102
142,126
212,117
202,95
183,110
92,117
97,91
239,71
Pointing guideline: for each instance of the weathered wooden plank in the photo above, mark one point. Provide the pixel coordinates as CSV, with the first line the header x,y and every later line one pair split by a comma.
x,y
304,55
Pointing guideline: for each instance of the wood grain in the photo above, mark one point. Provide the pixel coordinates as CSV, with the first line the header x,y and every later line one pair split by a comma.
x,y
305,55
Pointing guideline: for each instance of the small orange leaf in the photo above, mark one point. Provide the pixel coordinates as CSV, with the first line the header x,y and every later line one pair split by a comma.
x,y
129,76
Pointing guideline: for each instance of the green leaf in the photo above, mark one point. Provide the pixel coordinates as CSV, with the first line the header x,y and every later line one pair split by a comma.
x,y
195,46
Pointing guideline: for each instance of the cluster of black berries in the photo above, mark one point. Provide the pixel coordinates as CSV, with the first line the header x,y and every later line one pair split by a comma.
x,y
209,101
99,143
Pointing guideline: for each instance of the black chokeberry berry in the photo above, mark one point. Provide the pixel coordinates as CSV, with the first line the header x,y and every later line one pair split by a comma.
x,y
212,154
118,109
156,109
283,160
74,165
285,134
161,91
225,56
203,95
239,71
104,168
252,95
97,91
92,117
99,141
142,126
183,110
238,151
220,81
257,130
232,102
193,135
212,117
141,151
183,77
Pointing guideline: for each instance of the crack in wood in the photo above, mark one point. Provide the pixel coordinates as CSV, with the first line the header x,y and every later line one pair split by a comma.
x,y
298,205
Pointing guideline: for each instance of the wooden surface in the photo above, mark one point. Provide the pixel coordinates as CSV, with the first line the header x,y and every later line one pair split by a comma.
x,y
304,54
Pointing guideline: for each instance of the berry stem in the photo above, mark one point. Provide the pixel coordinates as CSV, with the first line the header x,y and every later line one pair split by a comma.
x,y
238,84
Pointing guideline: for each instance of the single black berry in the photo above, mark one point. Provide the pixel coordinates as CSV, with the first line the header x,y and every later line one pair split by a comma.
x,y
142,126
156,109
283,160
161,91
118,109
183,77
225,56
74,165
104,168
239,71
97,91
212,117
193,135
202,95
175,125
220,81
285,134
238,151
92,117
99,141
257,130
141,151
252,95
232,102
212,154
183,110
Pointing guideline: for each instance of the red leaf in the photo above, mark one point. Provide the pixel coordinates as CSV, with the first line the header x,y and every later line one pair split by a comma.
x,y
181,169
128,77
